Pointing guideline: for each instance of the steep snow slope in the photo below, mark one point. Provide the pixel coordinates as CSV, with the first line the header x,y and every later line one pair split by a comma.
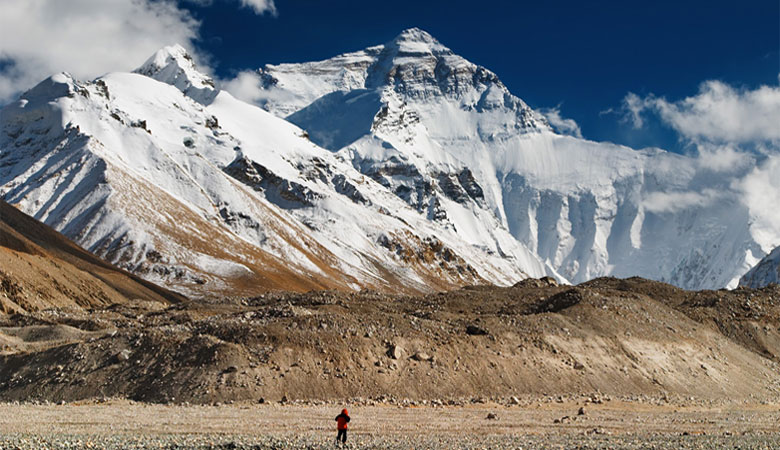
x,y
448,138
169,178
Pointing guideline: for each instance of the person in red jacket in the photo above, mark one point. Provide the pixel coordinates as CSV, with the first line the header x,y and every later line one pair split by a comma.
x,y
341,424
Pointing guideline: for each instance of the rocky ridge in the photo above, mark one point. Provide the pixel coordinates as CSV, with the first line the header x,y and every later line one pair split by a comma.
x,y
613,338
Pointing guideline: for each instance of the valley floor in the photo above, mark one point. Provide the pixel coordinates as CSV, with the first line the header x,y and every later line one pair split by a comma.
x,y
607,364
611,424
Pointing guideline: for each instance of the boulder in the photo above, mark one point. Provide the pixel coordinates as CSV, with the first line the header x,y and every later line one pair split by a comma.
x,y
474,330
422,356
395,351
122,356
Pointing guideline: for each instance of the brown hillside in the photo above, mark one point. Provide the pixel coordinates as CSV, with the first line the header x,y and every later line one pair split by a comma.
x,y
620,338
40,269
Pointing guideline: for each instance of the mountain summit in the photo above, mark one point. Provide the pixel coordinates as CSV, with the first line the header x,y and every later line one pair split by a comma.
x,y
413,65
415,35
173,65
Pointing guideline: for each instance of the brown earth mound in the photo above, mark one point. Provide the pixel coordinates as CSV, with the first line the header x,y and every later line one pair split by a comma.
x,y
613,337
40,269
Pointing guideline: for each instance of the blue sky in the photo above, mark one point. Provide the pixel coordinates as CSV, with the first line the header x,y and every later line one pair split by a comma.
x,y
583,56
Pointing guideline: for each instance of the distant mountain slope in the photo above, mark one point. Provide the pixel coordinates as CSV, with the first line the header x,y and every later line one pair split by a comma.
x,y
767,271
446,135
184,185
40,268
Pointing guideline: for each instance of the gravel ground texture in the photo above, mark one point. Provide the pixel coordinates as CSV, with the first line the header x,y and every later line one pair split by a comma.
x,y
614,424
391,442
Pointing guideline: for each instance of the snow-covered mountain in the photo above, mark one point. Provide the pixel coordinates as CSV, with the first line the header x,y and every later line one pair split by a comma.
x,y
162,174
399,167
438,130
765,272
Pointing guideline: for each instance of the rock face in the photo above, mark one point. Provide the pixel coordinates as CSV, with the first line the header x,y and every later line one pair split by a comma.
x,y
448,138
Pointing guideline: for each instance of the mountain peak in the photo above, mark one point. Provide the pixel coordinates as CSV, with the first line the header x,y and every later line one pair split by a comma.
x,y
414,65
57,85
415,34
165,54
165,57
416,40
174,65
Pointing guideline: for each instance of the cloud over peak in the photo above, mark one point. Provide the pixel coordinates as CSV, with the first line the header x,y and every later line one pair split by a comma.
x,y
736,132
718,113
91,37
84,37
560,123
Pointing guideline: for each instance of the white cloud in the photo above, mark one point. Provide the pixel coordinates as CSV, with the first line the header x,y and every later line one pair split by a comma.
x,y
245,86
719,113
736,132
760,189
633,106
561,124
663,202
84,37
260,6
723,158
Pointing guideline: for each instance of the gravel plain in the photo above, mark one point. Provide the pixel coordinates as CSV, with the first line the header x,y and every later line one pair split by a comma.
x,y
616,424
390,442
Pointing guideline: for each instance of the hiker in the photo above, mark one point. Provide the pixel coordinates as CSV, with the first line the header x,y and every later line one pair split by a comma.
x,y
341,424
